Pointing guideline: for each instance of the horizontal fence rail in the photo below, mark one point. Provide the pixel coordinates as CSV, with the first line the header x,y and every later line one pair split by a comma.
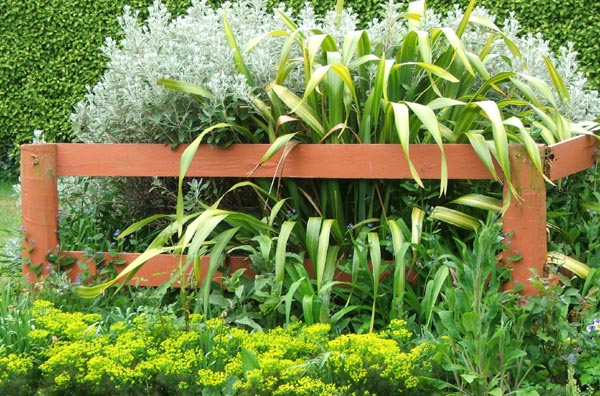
x,y
524,222
325,161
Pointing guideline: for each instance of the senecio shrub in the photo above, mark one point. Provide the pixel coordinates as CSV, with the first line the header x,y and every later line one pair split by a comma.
x,y
77,354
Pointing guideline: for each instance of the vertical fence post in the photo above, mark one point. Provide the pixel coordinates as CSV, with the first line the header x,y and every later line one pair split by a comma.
x,y
525,222
39,207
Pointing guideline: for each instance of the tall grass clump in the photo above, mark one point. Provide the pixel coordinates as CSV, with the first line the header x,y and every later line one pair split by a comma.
x,y
10,225
412,77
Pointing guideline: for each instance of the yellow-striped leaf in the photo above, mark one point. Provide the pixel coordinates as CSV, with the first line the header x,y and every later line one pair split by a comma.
x,y
578,268
541,86
458,47
532,148
401,121
416,11
455,218
500,139
185,87
482,150
303,111
129,270
430,68
563,129
425,46
557,81
429,120
237,54
184,165
417,217
479,201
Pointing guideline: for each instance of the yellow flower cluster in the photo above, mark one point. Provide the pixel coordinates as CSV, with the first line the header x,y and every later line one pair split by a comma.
x,y
14,365
307,386
365,359
397,331
211,379
62,325
139,356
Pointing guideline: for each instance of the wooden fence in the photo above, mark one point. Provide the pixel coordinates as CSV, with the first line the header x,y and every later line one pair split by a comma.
x,y
524,222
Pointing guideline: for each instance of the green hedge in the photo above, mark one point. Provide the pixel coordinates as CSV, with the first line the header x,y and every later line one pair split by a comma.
x,y
50,51
560,21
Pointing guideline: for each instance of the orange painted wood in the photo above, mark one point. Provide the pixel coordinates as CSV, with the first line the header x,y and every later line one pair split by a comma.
x,y
336,161
155,271
571,156
160,269
39,206
524,222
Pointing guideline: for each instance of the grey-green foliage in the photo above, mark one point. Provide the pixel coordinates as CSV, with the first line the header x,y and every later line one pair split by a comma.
x,y
127,105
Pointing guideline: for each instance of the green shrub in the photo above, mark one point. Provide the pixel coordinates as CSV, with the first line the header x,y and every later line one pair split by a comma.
x,y
163,48
127,105
400,81
481,329
17,375
214,358
49,53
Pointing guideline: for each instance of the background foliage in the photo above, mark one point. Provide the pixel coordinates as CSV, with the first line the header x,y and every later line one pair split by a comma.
x,y
50,51
559,21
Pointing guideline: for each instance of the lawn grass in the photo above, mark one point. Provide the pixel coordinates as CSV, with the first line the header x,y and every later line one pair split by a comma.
x,y
10,214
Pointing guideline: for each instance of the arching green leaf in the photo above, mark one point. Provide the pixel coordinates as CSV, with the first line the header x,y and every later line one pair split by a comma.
x,y
429,120
557,81
185,87
302,110
479,201
455,218
401,121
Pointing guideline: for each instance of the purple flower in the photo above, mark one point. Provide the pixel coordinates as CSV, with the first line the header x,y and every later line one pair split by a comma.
x,y
595,326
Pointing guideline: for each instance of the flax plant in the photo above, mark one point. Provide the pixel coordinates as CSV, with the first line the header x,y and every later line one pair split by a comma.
x,y
425,87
